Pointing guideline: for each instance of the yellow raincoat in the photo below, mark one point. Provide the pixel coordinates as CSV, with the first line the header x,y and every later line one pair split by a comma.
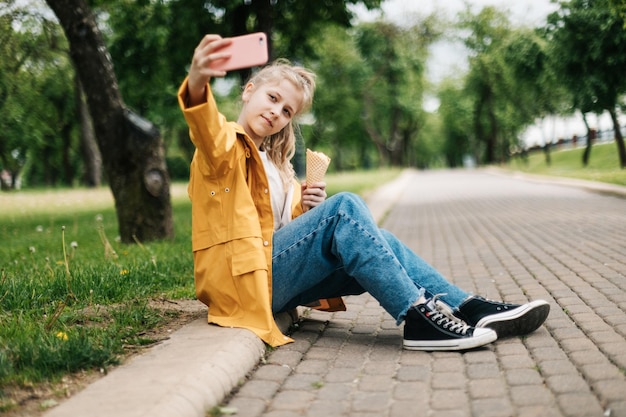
x,y
232,222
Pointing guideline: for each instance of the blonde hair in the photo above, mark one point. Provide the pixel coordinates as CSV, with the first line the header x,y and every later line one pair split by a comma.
x,y
281,146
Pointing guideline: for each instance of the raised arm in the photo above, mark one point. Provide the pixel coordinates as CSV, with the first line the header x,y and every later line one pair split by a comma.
x,y
200,71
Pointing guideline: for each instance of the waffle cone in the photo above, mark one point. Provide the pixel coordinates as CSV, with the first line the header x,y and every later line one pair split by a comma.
x,y
316,166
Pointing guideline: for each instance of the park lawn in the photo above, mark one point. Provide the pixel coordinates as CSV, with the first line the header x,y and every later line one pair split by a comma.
x,y
603,164
73,298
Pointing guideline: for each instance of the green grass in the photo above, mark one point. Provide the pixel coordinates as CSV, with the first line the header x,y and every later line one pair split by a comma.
x,y
63,312
72,297
603,164
360,182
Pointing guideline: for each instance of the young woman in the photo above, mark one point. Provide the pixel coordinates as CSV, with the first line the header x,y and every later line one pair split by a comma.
x,y
264,244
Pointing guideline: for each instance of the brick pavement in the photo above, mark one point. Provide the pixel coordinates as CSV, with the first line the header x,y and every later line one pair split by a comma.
x,y
504,238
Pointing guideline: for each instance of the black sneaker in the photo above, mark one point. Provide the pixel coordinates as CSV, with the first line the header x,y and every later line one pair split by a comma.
x,y
427,328
506,319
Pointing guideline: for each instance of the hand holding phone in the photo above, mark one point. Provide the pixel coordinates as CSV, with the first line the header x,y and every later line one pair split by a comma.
x,y
244,52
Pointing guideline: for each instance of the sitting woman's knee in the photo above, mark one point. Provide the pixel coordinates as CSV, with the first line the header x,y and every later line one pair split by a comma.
x,y
351,203
350,198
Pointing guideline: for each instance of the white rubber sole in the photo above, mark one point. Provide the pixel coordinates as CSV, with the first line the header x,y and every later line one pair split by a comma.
x,y
519,321
481,337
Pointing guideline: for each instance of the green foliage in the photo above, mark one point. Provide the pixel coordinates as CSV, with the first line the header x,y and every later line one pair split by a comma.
x,y
455,114
509,81
510,84
619,6
588,46
589,52
38,138
338,129
394,61
368,105
178,168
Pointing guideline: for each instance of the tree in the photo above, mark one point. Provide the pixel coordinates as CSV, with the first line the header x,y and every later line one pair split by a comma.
x,y
486,79
455,111
511,80
338,108
40,141
19,69
131,147
393,91
589,46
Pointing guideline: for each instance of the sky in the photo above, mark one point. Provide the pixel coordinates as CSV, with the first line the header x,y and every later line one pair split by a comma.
x,y
448,57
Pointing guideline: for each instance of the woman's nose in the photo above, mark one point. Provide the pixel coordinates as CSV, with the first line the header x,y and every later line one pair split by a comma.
x,y
275,110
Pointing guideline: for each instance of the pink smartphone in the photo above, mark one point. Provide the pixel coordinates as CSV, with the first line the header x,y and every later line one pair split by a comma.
x,y
246,51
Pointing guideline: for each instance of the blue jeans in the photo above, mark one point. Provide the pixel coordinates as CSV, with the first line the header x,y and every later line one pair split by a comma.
x,y
337,249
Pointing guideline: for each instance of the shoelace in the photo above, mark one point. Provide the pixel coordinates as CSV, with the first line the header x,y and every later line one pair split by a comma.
x,y
446,321
452,325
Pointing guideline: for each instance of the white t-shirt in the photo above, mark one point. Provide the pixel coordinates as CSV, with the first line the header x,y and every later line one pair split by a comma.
x,y
280,197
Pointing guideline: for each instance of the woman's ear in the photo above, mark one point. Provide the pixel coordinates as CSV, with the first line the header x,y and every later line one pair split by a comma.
x,y
247,92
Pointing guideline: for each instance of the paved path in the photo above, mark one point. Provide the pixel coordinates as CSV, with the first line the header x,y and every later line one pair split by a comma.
x,y
503,237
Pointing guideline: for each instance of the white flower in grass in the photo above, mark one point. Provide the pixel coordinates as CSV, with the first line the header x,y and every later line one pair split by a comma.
x,y
74,244
99,217
32,249
39,228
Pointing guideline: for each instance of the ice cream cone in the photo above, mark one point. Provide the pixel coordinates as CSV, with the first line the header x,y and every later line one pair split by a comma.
x,y
316,166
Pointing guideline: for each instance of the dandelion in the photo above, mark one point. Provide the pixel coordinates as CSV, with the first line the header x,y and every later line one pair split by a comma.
x,y
39,228
99,218
124,272
74,246
62,336
32,249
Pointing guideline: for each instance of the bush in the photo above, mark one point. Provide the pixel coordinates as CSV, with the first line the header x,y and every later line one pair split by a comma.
x,y
178,168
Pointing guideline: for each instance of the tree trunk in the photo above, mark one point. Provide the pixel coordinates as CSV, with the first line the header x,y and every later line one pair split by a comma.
x,y
546,152
372,131
618,139
492,139
589,144
132,148
68,172
92,160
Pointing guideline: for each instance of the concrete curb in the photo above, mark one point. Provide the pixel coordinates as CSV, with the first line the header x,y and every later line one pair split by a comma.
x,y
195,368
184,376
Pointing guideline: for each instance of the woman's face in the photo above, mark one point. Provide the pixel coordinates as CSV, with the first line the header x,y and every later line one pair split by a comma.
x,y
268,108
